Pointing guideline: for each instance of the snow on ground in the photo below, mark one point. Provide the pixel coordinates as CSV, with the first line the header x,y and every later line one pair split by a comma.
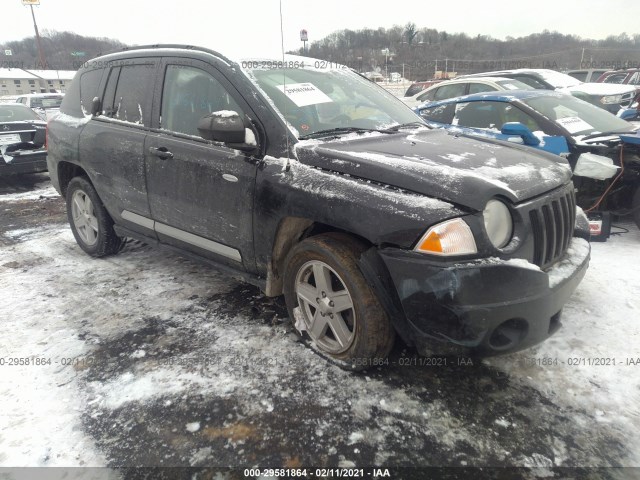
x,y
594,361
156,360
41,191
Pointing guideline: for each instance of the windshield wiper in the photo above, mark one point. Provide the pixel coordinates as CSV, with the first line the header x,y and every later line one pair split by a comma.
x,y
407,125
606,134
340,131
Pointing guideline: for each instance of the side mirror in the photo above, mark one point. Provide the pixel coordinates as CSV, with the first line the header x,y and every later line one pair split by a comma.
x,y
96,106
517,129
224,126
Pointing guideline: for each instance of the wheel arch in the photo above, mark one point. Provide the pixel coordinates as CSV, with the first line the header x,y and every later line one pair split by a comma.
x,y
290,232
66,172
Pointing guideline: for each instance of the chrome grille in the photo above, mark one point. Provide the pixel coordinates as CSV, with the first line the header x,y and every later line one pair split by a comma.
x,y
552,224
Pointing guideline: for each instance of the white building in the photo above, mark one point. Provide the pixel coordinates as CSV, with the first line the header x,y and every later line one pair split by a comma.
x,y
19,81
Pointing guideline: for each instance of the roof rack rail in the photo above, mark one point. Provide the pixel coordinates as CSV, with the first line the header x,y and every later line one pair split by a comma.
x,y
176,45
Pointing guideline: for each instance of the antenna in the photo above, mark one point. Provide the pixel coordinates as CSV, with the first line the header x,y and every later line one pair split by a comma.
x,y
284,87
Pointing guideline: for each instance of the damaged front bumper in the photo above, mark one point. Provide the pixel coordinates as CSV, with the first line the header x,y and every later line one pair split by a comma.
x,y
492,306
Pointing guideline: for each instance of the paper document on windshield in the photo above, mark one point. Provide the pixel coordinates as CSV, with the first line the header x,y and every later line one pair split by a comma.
x,y
574,124
303,94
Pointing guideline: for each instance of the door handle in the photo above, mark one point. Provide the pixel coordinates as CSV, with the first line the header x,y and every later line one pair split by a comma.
x,y
161,152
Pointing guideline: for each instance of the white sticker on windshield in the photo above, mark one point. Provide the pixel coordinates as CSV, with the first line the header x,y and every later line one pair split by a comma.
x,y
574,124
303,94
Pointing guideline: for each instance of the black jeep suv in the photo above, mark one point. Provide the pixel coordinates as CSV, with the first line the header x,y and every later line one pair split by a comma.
x,y
307,180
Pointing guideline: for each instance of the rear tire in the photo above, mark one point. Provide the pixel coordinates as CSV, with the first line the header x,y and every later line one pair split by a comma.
x,y
328,297
91,224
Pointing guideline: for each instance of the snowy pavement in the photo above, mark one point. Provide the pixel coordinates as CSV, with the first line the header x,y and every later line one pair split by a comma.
x,y
149,359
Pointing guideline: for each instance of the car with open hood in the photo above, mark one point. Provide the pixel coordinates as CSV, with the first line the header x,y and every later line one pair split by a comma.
x,y
305,179
599,146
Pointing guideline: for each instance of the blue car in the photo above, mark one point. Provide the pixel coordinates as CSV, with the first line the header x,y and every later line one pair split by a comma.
x,y
587,136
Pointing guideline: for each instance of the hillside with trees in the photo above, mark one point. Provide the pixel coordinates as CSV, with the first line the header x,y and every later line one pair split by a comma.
x,y
62,50
420,52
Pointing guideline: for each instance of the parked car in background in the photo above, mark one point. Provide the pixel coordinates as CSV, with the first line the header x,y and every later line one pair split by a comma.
x,y
8,98
417,87
458,87
609,97
44,104
589,137
588,75
318,184
22,140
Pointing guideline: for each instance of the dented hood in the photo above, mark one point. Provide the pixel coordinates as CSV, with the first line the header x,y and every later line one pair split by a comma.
x,y
464,170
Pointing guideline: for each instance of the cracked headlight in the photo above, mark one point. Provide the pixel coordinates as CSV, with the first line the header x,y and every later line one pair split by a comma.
x,y
498,223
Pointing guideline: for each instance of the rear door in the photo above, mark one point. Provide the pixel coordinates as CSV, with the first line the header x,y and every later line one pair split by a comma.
x,y
200,192
112,144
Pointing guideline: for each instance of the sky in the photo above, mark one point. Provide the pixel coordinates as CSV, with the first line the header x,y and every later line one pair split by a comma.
x,y
252,27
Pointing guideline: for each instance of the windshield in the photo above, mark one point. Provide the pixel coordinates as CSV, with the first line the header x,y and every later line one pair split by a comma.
x,y
316,100
576,116
10,113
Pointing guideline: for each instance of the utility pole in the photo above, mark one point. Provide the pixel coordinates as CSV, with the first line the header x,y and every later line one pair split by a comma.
x,y
31,3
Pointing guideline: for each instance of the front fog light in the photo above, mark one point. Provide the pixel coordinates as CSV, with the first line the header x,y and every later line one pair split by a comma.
x,y
498,223
453,237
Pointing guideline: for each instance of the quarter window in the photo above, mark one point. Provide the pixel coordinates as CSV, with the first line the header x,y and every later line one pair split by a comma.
x,y
189,94
89,83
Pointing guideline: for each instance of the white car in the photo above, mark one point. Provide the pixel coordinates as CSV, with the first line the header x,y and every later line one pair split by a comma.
x,y
44,104
609,96
459,87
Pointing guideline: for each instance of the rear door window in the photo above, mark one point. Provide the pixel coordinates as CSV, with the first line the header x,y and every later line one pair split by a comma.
x,y
481,87
126,92
450,91
426,96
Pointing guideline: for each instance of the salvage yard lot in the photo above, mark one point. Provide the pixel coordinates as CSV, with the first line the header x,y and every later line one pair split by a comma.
x,y
149,359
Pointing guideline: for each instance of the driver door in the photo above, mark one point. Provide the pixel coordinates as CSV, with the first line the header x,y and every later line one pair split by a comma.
x,y
200,192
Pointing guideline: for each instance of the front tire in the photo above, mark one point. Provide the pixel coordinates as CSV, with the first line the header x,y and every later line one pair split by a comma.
x,y
90,222
328,297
